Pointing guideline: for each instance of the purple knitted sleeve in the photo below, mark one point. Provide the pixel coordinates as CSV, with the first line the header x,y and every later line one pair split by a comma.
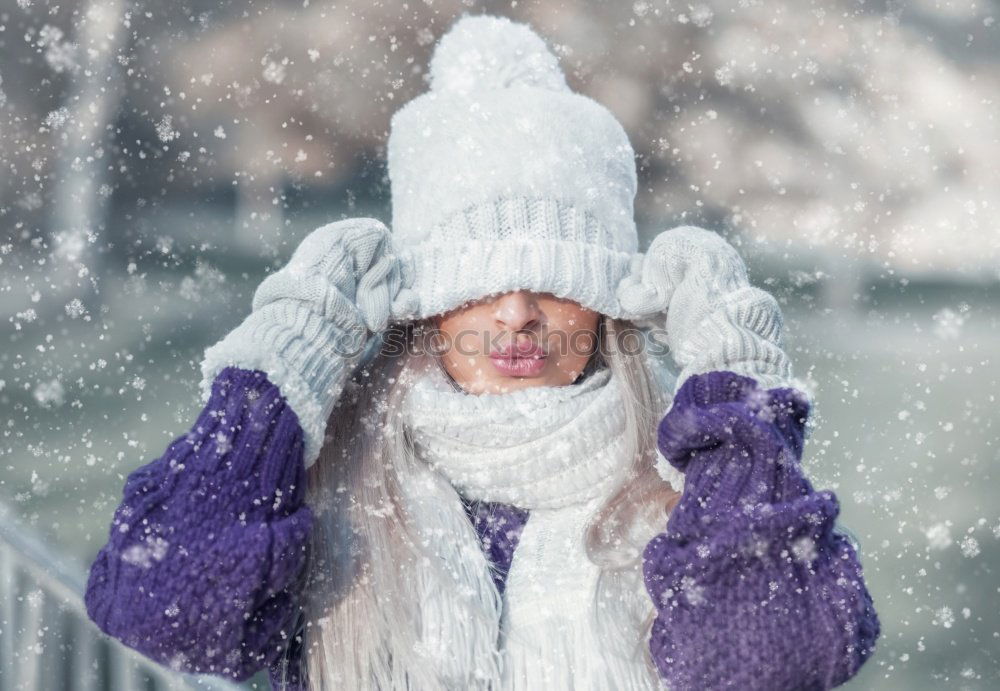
x,y
202,568
499,527
754,586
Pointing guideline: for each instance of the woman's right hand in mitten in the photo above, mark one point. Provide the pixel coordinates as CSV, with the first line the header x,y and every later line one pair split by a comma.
x,y
204,565
311,320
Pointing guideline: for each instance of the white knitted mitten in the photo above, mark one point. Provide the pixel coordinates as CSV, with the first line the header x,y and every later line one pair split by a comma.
x,y
311,320
715,319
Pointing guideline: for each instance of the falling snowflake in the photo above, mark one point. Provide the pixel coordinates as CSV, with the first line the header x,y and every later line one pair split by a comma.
x,y
944,617
948,323
724,75
701,16
692,591
57,118
60,55
938,536
49,394
275,72
178,662
75,308
143,555
165,130
970,546
804,549
71,244
164,244
222,443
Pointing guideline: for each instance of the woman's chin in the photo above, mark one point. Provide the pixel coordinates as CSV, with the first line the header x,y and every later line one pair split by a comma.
x,y
499,383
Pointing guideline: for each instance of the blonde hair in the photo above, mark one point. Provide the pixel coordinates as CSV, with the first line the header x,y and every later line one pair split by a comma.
x,y
362,627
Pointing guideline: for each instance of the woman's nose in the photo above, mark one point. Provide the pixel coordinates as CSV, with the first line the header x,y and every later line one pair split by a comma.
x,y
517,311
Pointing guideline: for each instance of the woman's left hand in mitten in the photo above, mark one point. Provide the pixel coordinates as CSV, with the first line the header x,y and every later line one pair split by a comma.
x,y
715,320
754,587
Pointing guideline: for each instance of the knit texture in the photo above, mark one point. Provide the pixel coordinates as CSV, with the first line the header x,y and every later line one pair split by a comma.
x,y
199,569
503,178
559,451
223,526
544,447
755,587
715,319
310,321
499,527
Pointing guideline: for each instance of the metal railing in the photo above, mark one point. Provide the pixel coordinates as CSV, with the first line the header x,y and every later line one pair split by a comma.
x,y
46,639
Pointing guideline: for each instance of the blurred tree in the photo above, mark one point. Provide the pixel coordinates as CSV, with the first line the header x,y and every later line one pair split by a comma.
x,y
85,170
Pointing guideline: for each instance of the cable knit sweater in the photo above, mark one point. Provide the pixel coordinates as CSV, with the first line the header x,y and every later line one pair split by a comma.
x,y
754,587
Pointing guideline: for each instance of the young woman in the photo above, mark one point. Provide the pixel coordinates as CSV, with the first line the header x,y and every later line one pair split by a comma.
x,y
450,456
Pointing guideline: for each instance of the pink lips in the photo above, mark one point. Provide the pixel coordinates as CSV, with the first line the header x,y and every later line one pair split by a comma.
x,y
519,360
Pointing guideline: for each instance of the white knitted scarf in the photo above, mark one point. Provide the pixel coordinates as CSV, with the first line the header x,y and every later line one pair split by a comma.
x,y
559,452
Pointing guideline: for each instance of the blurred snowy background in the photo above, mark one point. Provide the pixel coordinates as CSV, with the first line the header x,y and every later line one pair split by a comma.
x,y
157,159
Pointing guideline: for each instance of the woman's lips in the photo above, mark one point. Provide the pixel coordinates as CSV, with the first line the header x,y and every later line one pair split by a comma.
x,y
518,366
526,349
519,360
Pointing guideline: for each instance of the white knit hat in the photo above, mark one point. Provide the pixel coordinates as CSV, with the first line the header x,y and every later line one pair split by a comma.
x,y
503,178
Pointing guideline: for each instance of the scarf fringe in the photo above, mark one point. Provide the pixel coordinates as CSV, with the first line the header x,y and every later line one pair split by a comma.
x,y
564,654
557,632
461,624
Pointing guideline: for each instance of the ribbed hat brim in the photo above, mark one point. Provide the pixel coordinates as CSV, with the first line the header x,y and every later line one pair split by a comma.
x,y
445,276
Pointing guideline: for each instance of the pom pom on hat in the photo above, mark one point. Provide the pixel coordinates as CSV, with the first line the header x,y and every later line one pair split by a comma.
x,y
486,52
